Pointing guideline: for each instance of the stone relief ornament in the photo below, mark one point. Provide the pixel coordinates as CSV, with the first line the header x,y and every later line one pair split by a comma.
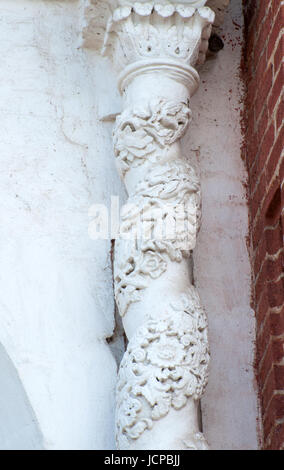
x,y
146,30
166,362
143,135
143,138
96,14
155,47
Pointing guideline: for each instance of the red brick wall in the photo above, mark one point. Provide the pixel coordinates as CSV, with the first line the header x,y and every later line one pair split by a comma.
x,y
263,138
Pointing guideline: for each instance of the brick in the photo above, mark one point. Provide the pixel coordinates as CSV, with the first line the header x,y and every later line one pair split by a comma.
x,y
264,335
262,308
273,354
275,91
257,231
261,284
259,195
264,136
277,322
266,376
261,98
275,8
266,146
278,350
274,239
255,173
267,391
274,34
278,55
262,124
280,114
277,438
252,148
279,383
273,412
261,14
272,204
251,93
261,70
276,293
275,156
274,267
278,402
269,419
261,40
259,255
260,45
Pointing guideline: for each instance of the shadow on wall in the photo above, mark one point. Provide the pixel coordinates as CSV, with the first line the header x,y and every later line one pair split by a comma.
x,y
18,426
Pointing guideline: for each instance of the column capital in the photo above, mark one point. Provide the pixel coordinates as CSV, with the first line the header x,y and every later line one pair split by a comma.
x,y
97,14
150,31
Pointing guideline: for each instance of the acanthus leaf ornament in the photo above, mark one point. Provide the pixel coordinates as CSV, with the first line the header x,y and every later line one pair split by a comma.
x,y
155,46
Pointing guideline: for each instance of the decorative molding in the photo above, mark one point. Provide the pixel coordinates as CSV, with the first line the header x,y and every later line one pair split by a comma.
x,y
142,35
155,47
97,13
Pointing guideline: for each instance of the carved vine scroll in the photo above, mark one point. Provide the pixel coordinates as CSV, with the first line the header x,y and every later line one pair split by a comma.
x,y
155,46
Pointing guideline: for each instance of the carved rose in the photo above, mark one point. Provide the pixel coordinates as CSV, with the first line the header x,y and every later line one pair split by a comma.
x,y
139,355
153,264
166,353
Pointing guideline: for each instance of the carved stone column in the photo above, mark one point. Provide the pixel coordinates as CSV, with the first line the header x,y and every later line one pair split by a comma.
x,y
155,47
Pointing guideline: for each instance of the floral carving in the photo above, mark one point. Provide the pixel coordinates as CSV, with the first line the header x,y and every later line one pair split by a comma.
x,y
169,189
167,359
166,363
132,270
142,135
153,264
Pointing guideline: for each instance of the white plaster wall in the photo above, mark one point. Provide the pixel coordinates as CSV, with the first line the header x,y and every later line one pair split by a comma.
x,y
56,304
222,269
19,429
